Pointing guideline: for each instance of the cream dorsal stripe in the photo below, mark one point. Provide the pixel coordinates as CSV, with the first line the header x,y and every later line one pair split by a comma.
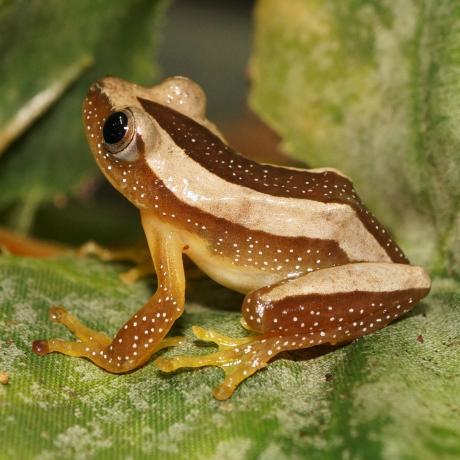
x,y
288,216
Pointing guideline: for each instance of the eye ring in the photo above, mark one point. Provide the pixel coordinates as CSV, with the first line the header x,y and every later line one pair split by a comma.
x,y
118,131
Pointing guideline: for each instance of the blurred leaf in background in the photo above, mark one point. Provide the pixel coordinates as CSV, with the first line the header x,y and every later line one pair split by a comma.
x,y
43,43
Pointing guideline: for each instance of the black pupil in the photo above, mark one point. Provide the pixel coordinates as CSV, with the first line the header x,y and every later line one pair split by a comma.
x,y
115,128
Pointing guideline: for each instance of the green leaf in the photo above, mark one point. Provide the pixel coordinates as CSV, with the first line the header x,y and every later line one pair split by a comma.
x,y
45,44
386,395
371,88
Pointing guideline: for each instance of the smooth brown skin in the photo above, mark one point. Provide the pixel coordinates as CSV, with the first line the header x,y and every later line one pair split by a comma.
x,y
315,264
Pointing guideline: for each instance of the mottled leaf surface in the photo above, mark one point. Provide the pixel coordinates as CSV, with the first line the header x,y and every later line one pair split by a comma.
x,y
391,395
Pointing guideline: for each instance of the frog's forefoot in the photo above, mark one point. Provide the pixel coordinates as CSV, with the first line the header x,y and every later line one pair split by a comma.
x,y
238,357
138,255
111,355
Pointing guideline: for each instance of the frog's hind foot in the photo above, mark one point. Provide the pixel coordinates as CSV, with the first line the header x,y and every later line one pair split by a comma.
x,y
99,348
238,357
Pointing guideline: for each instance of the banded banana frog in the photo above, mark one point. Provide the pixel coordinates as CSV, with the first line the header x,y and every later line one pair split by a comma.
x,y
315,265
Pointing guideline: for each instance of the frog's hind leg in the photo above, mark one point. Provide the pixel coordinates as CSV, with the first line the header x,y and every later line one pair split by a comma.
x,y
332,306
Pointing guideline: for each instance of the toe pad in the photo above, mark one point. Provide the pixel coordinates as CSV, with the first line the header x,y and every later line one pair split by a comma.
x,y
40,347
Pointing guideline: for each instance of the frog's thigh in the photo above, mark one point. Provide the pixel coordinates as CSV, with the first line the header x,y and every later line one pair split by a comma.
x,y
337,304
331,305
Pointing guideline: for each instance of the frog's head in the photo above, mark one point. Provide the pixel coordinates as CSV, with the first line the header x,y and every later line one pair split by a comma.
x,y
123,135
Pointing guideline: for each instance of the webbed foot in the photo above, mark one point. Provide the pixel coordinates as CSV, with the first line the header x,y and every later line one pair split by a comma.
x,y
238,357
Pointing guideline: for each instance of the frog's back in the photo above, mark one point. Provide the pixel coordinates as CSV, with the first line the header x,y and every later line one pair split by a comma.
x,y
317,205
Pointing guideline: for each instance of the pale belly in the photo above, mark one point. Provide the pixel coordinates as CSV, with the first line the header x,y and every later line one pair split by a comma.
x,y
225,272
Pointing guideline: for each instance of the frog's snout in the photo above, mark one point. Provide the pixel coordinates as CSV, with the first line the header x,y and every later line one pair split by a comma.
x,y
96,108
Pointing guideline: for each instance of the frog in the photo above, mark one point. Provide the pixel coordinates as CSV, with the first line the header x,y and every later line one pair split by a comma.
x,y
315,266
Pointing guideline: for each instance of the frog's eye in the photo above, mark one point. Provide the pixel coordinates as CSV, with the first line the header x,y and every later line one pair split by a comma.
x,y
118,131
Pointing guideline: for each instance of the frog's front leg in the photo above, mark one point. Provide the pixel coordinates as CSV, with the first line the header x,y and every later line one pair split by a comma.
x,y
144,333
333,305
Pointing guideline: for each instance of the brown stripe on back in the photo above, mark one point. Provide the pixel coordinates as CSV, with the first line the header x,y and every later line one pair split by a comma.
x,y
209,151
